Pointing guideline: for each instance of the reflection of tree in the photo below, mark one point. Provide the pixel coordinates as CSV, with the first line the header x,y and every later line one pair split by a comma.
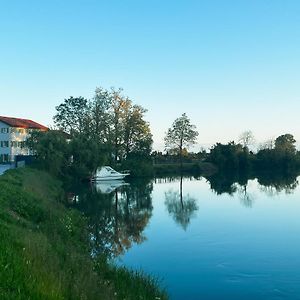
x,y
272,184
246,198
181,208
223,183
117,220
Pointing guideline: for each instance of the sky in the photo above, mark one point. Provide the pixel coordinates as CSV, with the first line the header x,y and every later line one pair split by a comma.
x,y
231,65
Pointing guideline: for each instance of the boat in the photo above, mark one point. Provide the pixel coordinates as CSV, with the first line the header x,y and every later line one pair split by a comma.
x,y
108,173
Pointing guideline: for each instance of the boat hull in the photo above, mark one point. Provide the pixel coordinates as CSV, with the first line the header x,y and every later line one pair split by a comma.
x,y
107,173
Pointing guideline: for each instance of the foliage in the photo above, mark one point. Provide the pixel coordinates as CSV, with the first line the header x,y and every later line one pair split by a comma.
x,y
229,157
52,151
285,143
87,155
237,158
110,119
71,115
139,165
132,284
282,157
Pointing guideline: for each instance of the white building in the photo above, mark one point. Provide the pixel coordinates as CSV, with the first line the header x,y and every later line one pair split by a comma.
x,y
13,134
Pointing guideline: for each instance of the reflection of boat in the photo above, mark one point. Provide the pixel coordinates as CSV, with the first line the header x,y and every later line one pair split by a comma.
x,y
106,187
108,173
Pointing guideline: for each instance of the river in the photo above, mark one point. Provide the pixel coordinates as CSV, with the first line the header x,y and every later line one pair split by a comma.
x,y
203,239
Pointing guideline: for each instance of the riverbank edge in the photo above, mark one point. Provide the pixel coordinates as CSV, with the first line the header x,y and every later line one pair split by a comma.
x,y
197,168
44,251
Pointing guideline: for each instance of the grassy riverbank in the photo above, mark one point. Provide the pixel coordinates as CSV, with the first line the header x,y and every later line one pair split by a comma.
x,y
44,249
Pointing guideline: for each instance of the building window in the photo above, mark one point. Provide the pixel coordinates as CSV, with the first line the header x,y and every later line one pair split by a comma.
x,y
4,130
4,144
4,158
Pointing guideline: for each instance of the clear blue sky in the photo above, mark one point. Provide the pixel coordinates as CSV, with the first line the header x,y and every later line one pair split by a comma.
x,y
230,65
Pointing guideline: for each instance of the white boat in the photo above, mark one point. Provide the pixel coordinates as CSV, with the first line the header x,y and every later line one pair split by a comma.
x,y
108,173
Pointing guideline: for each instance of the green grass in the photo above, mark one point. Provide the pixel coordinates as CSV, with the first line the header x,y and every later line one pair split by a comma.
x,y
44,249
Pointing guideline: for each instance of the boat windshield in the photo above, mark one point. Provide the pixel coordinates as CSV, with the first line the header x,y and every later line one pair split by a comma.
x,y
111,170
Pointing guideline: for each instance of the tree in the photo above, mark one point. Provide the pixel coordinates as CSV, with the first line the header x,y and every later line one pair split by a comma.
x,y
119,109
137,134
108,125
99,117
286,143
227,157
52,151
71,115
181,135
246,139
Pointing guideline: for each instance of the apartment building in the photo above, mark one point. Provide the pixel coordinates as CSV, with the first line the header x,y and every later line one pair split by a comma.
x,y
13,134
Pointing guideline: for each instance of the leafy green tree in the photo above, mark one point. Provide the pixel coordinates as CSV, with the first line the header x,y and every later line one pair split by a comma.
x,y
181,135
283,157
71,115
286,143
109,125
230,157
52,151
137,134
86,156
99,117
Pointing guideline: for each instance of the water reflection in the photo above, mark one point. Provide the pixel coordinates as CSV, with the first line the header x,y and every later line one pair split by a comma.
x,y
278,183
246,198
181,208
271,184
118,212
118,218
106,187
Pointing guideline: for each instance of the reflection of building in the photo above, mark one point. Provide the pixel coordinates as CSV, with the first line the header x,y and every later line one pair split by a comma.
x,y
13,134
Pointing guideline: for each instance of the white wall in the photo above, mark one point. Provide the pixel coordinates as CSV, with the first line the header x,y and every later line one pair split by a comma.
x,y
15,135
4,137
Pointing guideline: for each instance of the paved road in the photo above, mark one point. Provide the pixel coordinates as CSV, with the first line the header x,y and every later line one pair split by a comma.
x,y
3,168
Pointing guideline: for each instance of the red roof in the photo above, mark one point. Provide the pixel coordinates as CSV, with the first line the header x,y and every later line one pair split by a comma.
x,y
22,123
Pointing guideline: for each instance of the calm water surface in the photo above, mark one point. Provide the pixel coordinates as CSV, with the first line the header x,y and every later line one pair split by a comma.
x,y
204,240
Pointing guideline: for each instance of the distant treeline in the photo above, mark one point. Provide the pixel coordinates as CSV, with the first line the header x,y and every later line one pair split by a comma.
x,y
282,156
236,158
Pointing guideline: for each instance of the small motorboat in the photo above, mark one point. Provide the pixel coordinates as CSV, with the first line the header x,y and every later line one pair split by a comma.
x,y
108,173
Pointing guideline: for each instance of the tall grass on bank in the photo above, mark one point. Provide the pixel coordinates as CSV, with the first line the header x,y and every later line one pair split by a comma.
x,y
44,248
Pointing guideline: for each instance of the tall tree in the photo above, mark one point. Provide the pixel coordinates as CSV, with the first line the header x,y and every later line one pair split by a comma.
x,y
120,107
286,143
137,134
246,138
100,119
181,135
71,115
